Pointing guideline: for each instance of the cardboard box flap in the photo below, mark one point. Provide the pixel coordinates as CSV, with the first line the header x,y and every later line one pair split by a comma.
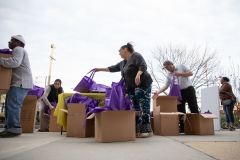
x,y
209,116
31,98
91,116
64,110
167,97
171,113
77,108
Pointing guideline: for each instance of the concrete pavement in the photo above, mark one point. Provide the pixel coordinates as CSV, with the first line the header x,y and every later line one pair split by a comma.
x,y
53,146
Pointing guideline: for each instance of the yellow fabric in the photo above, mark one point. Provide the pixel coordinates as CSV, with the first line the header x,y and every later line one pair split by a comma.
x,y
62,116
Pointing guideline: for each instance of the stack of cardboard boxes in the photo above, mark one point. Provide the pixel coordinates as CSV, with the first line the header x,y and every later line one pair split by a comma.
x,y
165,119
165,116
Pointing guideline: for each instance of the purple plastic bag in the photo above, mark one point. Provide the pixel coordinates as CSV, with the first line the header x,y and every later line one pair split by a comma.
x,y
5,51
78,98
86,83
98,87
36,91
175,89
48,110
116,99
208,112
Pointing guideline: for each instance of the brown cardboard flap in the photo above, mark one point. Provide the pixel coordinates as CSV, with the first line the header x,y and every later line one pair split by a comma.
x,y
171,113
91,116
5,55
76,107
64,110
167,97
209,116
31,98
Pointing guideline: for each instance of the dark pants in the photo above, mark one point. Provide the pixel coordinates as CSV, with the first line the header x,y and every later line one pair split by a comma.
x,y
141,103
188,96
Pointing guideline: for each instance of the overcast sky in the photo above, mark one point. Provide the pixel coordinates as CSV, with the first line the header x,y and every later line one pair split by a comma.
x,y
88,34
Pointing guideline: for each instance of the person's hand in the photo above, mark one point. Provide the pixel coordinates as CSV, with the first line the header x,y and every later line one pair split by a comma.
x,y
155,95
51,107
137,80
96,69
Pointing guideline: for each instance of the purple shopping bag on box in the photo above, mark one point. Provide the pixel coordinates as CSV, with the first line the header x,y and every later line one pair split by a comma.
x,y
175,89
98,87
78,98
36,91
5,51
86,83
116,99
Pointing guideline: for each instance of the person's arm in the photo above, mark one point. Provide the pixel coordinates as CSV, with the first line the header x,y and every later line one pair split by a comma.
x,y
45,95
155,94
102,69
15,61
114,68
137,78
186,72
142,67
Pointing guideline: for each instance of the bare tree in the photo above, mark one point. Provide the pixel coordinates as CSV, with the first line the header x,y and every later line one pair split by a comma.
x,y
202,61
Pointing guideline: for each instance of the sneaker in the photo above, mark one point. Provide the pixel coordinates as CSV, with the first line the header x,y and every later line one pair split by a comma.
x,y
232,129
2,132
9,134
225,127
145,135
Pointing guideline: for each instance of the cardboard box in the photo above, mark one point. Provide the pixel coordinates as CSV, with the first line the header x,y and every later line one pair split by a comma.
x,y
166,124
152,123
115,126
53,125
6,75
166,103
28,114
75,121
199,124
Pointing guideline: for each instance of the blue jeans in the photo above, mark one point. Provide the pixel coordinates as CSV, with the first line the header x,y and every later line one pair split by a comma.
x,y
13,104
228,110
141,103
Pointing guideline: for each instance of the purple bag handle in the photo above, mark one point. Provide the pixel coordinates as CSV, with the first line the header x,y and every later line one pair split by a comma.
x,y
92,74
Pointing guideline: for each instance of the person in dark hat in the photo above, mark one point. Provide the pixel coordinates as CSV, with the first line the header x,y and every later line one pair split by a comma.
x,y
21,83
50,96
182,74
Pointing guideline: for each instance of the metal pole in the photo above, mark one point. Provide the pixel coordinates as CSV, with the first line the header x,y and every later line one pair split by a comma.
x,y
50,68
207,74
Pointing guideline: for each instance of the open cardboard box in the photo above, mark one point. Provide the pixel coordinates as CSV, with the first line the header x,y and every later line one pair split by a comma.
x,y
167,124
165,104
5,76
75,121
115,126
28,114
199,124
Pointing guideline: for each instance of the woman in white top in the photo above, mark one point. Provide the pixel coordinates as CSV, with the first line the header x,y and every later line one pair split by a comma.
x,y
50,94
